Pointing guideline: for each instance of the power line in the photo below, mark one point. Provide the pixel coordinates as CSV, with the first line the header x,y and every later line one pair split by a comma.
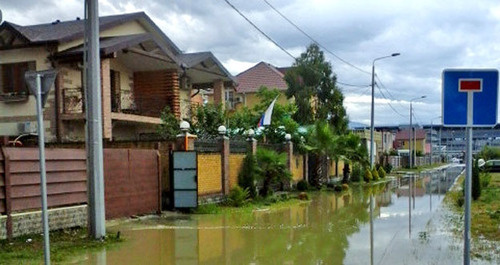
x,y
258,29
313,40
360,86
388,92
389,103
272,40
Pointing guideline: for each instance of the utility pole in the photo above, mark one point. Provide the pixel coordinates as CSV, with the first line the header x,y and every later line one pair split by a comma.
x,y
95,169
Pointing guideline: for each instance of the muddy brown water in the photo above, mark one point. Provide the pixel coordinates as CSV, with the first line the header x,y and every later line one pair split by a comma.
x,y
330,229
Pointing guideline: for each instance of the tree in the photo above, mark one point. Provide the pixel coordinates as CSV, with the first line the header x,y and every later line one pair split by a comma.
x,y
351,150
323,143
169,127
246,177
206,119
312,83
281,121
272,169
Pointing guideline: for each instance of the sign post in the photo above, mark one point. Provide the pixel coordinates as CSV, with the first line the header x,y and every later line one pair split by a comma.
x,y
39,84
469,100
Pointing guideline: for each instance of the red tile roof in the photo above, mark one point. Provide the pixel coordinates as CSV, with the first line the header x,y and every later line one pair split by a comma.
x,y
262,74
403,135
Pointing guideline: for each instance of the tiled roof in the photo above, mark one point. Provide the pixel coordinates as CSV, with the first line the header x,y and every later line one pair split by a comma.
x,y
262,74
403,135
62,31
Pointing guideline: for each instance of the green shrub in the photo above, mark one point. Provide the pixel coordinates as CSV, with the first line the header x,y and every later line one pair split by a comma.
x,y
381,172
388,168
271,169
368,175
246,177
476,185
237,196
302,185
357,173
375,175
485,179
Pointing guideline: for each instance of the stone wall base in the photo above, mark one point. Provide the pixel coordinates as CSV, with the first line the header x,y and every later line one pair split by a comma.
x,y
31,222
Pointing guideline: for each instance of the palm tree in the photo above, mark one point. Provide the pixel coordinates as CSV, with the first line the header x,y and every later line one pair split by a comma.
x,y
352,151
271,169
324,143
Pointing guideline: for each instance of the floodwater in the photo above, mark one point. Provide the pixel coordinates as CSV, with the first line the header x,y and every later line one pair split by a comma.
x,y
331,229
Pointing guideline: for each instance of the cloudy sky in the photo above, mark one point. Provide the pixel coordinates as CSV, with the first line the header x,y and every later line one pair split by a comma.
x,y
430,35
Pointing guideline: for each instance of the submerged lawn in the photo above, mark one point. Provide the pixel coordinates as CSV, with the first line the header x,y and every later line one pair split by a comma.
x,y
64,245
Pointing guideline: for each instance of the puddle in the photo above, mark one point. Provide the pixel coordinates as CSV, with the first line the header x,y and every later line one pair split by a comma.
x,y
331,229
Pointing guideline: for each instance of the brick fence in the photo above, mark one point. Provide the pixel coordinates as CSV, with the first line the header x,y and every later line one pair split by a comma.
x,y
220,162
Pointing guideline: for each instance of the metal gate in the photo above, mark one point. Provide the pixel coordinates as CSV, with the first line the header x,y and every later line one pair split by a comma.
x,y
184,168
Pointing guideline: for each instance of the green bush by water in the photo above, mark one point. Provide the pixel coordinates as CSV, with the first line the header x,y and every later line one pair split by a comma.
x,y
238,196
368,175
388,168
302,185
375,175
381,172
246,177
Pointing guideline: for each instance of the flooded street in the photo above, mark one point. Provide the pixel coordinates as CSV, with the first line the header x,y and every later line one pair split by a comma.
x,y
331,229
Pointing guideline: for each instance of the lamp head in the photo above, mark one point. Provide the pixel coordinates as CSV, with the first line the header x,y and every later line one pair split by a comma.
x,y
288,137
395,54
222,130
250,133
184,125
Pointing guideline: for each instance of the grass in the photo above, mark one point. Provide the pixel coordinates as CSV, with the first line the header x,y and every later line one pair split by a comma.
x,y
64,244
259,203
485,212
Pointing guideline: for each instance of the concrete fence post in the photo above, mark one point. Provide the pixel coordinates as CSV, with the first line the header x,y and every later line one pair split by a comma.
x,y
225,152
306,167
252,146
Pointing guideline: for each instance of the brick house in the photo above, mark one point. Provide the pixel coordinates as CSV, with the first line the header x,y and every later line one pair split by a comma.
x,y
248,84
142,71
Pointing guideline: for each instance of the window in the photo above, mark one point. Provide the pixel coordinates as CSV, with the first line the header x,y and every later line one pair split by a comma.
x,y
229,97
12,84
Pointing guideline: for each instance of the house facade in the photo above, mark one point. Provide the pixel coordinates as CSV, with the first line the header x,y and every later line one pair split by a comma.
x,y
401,141
142,72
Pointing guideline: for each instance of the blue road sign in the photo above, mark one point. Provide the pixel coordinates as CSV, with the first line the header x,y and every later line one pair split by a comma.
x,y
475,87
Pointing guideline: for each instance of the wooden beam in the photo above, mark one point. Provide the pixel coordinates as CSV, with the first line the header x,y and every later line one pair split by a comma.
x,y
135,118
151,55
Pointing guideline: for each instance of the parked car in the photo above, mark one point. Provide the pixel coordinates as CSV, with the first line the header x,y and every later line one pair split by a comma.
x,y
492,166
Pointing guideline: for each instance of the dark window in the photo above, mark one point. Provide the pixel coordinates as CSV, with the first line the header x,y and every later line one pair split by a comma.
x,y
12,84
115,91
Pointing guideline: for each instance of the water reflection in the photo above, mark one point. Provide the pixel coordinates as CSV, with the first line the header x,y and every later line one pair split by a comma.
x,y
364,225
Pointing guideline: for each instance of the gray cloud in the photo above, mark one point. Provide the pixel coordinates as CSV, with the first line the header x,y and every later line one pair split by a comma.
x,y
430,35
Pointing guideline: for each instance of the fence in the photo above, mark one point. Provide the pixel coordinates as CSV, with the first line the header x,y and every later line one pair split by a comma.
x,y
20,188
131,177
132,182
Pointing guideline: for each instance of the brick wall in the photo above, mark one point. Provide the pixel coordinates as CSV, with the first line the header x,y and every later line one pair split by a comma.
x,y
235,164
209,174
153,90
297,165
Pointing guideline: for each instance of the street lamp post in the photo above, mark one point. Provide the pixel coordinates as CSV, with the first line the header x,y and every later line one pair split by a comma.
x,y
411,129
372,118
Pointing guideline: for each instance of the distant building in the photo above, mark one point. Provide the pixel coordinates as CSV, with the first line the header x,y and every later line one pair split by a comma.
x,y
420,144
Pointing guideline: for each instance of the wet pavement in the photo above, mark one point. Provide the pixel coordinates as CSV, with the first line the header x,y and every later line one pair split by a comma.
x,y
330,229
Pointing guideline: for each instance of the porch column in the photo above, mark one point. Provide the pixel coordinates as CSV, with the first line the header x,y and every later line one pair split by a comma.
x,y
106,99
219,97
